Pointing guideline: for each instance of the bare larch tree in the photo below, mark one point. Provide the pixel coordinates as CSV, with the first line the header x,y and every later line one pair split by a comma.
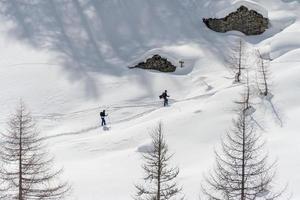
x,y
263,75
242,171
237,60
27,167
159,180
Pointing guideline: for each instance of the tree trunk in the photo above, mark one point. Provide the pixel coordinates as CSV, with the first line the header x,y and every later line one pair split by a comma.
x,y
159,167
240,63
265,78
243,160
20,156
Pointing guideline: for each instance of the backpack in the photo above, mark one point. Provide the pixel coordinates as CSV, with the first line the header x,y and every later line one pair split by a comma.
x,y
102,114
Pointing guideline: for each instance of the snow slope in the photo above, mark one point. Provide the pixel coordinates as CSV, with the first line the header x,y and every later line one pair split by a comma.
x,y
68,59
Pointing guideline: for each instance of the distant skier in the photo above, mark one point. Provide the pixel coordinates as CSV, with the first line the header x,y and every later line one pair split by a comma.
x,y
103,115
165,96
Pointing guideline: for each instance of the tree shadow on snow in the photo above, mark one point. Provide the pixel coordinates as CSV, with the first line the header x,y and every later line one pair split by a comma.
x,y
99,36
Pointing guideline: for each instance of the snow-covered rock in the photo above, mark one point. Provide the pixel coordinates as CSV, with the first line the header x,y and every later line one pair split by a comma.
x,y
251,5
145,148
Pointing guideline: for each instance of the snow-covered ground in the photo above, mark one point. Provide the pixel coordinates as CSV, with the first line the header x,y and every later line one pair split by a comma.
x,y
68,60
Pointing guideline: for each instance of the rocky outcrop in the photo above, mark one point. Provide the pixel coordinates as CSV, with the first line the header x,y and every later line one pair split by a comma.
x,y
244,20
156,63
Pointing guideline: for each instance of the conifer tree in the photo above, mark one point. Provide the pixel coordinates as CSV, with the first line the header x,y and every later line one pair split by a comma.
x,y
263,76
242,171
27,168
238,59
159,180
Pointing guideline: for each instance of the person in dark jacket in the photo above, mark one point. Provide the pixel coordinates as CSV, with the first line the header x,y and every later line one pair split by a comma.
x,y
103,115
165,96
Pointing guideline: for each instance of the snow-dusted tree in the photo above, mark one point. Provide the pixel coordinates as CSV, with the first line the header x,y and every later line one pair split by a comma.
x,y
27,168
242,171
263,75
238,59
159,180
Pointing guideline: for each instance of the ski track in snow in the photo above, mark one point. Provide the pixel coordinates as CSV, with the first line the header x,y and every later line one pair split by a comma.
x,y
111,109
157,105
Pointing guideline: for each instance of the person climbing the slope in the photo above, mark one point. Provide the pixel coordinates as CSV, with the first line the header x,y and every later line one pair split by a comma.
x,y
165,96
103,115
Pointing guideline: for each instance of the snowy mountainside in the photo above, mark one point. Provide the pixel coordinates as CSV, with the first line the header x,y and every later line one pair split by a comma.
x,y
68,59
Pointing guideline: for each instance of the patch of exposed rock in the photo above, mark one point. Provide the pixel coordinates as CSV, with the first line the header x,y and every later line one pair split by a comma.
x,y
157,63
244,20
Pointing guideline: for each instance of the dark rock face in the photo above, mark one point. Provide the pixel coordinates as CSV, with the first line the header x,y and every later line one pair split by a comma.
x,y
156,63
244,20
